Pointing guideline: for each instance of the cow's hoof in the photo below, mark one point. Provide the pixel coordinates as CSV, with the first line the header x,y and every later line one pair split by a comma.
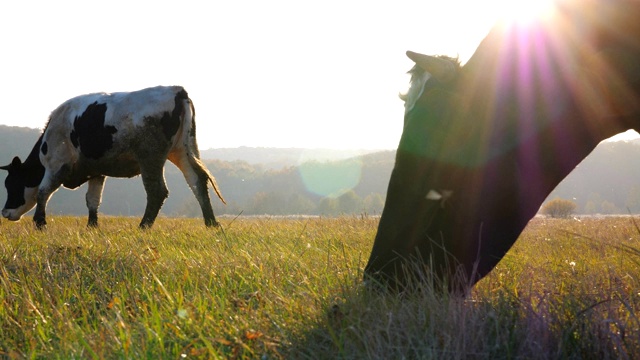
x,y
212,223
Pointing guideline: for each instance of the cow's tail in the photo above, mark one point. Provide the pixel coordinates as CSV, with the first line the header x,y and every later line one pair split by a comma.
x,y
194,153
212,180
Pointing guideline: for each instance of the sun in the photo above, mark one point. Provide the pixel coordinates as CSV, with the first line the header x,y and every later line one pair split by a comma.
x,y
523,11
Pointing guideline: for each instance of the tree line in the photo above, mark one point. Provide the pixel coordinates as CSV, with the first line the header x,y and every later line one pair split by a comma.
x,y
250,190
351,186
606,182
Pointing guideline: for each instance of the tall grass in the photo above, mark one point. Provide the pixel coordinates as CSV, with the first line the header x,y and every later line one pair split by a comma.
x,y
290,288
567,290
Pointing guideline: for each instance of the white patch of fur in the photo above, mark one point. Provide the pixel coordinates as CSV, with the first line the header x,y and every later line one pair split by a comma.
x,y
94,193
439,195
418,81
138,105
124,109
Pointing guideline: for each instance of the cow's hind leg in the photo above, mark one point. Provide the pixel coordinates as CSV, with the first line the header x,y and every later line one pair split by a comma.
x,y
94,197
198,179
156,188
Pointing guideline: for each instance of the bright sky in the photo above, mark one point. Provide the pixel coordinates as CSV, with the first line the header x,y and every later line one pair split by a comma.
x,y
272,73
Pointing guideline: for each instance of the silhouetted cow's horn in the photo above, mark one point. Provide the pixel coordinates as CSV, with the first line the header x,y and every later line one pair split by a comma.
x,y
441,69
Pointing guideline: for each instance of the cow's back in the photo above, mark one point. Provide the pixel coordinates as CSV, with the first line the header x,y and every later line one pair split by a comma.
x,y
105,133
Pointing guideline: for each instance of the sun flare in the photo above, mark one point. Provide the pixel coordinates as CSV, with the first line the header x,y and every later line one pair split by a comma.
x,y
524,11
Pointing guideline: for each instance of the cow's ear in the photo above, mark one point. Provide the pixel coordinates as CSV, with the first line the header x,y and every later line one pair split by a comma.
x,y
15,164
441,69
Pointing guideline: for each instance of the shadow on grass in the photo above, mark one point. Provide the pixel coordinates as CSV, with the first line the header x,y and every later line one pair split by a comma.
x,y
424,323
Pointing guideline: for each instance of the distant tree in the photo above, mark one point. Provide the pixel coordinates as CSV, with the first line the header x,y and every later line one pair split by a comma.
x,y
298,204
596,198
607,207
633,199
349,203
590,207
267,203
374,203
328,206
188,208
559,208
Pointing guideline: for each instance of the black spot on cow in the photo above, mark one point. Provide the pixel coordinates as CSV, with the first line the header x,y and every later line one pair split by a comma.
x,y
91,134
74,138
32,171
171,122
15,184
21,175
169,126
44,148
192,133
15,191
184,95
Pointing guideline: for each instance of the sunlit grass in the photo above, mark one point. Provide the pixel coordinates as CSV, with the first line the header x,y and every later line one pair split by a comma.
x,y
290,288
568,289
177,289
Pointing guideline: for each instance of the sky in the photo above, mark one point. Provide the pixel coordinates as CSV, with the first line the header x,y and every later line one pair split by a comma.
x,y
278,73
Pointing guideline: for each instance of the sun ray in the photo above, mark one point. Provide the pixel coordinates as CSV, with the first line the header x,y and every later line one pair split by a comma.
x,y
524,11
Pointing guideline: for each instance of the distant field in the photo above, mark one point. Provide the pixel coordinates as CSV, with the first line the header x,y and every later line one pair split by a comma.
x,y
291,288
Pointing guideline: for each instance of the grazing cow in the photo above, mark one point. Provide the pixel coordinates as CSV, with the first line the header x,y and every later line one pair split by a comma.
x,y
484,144
121,134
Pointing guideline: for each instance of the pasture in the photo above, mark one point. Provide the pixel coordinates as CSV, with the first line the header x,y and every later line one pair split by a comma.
x,y
291,288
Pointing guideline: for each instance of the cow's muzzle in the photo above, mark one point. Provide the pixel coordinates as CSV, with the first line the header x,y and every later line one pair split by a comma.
x,y
9,214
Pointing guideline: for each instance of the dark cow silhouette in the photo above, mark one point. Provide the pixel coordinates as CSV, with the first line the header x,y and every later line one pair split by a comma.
x,y
485,143
122,134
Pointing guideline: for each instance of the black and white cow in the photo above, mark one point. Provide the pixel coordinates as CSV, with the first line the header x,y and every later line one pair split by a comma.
x,y
122,134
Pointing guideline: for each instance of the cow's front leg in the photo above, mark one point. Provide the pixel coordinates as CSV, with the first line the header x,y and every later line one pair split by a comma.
x,y
49,185
94,197
39,217
157,192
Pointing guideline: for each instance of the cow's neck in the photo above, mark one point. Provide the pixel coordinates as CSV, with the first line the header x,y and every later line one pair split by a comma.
x,y
33,166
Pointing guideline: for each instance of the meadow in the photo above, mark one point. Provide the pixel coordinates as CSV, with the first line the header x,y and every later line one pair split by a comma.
x,y
271,288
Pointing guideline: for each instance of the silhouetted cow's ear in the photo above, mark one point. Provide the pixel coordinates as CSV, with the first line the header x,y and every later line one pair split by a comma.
x,y
15,164
441,69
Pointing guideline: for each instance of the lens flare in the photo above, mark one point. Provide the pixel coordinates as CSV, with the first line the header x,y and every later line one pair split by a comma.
x,y
331,179
525,11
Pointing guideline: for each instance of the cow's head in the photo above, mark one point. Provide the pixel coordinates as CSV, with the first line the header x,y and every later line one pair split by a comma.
x,y
436,181
21,190
483,144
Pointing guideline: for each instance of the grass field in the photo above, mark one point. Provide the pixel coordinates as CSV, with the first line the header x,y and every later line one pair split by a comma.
x,y
291,288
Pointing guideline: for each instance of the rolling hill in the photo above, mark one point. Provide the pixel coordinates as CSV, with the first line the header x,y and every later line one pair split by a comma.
x,y
320,181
